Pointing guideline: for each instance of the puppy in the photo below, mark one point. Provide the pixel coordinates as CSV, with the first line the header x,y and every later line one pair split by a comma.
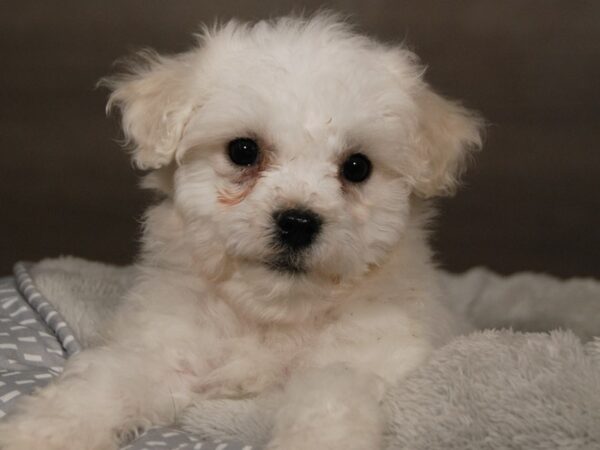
x,y
288,255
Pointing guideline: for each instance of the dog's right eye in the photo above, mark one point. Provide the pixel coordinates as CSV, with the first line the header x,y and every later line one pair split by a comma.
x,y
243,151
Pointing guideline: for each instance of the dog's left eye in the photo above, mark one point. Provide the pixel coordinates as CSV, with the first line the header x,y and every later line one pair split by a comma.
x,y
356,168
243,151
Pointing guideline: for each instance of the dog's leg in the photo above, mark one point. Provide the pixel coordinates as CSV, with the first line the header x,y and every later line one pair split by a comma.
x,y
247,420
331,408
104,396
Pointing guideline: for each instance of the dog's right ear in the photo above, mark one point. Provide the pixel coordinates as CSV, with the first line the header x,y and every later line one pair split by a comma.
x,y
155,105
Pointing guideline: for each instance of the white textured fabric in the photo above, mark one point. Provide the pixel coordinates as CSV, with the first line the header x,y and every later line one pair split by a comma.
x,y
525,301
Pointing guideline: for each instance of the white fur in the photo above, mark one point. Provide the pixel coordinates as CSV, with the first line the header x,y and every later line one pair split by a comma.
x,y
206,317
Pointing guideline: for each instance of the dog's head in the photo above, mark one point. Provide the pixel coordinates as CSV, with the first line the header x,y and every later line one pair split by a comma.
x,y
294,146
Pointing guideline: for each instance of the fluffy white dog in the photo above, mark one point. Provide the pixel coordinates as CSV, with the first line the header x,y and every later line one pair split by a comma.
x,y
288,255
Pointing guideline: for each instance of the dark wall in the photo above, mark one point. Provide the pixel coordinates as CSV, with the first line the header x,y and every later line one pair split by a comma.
x,y
530,202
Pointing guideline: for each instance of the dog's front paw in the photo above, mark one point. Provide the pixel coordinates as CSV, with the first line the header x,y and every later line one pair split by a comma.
x,y
302,437
306,442
246,420
24,434
309,442
32,433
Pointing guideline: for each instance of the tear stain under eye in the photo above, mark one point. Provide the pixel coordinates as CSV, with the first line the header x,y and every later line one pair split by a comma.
x,y
246,182
227,198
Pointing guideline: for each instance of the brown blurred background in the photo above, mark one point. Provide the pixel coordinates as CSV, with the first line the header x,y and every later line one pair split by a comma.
x,y
531,201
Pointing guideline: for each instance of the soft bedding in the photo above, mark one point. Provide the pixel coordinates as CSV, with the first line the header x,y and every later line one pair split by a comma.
x,y
35,341
498,388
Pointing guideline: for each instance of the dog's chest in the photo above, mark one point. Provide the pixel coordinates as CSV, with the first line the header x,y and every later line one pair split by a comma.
x,y
250,363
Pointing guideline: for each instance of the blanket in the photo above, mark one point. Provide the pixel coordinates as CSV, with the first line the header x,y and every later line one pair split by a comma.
x,y
502,387
36,338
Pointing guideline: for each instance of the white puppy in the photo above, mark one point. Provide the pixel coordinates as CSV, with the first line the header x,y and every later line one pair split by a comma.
x,y
296,158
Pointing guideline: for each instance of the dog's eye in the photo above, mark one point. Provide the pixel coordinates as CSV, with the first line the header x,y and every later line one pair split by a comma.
x,y
243,151
356,168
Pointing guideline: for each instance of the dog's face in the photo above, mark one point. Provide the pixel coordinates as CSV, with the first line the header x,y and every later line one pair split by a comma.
x,y
295,147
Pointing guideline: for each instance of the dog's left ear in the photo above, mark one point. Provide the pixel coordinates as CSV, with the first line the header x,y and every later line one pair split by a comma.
x,y
446,134
155,106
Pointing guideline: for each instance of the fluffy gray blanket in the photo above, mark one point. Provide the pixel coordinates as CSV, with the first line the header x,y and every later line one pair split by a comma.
x,y
518,387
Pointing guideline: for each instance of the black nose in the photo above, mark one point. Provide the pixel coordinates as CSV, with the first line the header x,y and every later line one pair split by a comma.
x,y
297,228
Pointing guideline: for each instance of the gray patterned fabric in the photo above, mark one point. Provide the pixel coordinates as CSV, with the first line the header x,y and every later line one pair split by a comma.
x,y
30,353
35,342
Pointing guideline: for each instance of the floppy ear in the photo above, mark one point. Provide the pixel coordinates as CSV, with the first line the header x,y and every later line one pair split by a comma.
x,y
446,135
155,106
